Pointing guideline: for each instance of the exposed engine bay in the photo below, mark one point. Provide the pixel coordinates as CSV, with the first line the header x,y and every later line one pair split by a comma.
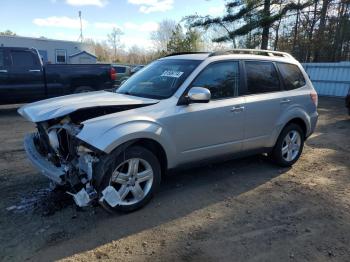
x,y
58,143
68,161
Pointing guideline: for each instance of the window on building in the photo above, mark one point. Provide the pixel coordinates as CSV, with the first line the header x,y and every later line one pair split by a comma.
x,y
291,75
61,56
222,79
261,77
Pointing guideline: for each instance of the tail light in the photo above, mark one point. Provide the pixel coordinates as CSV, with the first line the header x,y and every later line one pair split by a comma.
x,y
314,98
113,74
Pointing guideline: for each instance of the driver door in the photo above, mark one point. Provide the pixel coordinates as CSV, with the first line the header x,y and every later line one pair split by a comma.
x,y
205,130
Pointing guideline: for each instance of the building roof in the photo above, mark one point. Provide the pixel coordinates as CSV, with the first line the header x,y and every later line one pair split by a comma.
x,y
83,52
37,38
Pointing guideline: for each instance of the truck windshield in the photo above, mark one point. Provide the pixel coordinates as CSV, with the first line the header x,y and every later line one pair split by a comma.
x,y
160,79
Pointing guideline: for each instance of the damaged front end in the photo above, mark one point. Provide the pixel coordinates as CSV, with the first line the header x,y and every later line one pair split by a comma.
x,y
56,149
63,158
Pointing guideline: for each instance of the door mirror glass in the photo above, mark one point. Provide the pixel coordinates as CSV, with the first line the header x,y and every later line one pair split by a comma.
x,y
199,95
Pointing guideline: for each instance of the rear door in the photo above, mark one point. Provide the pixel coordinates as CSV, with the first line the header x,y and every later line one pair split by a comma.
x,y
4,77
263,103
26,76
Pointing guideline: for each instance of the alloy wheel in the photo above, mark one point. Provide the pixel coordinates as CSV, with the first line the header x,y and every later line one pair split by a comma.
x,y
291,146
132,179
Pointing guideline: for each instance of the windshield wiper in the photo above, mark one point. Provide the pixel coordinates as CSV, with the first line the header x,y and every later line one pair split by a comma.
x,y
125,93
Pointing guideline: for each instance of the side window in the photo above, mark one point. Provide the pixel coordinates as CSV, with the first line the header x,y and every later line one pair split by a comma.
x,y
61,56
24,59
2,59
261,77
291,75
222,79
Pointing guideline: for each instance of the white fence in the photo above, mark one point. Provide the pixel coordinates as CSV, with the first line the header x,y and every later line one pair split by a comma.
x,y
329,79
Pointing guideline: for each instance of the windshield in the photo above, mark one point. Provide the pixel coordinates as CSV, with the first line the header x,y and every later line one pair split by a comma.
x,y
160,79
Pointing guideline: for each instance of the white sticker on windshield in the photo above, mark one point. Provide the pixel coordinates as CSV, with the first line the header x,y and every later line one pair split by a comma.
x,y
176,74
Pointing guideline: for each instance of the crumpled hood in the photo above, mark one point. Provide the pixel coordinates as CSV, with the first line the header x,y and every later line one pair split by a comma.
x,y
61,106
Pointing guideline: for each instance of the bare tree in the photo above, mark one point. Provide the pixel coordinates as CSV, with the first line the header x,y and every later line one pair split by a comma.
x,y
114,40
162,36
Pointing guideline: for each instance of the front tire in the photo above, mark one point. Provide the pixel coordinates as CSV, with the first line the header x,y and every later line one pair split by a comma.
x,y
289,145
135,175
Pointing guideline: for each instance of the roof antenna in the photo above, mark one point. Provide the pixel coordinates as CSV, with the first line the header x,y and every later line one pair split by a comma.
x,y
81,28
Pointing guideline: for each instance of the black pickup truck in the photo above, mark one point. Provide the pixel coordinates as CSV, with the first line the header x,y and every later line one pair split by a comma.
x,y
24,78
347,101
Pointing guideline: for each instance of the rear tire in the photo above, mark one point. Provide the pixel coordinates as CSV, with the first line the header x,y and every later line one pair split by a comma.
x,y
289,145
135,174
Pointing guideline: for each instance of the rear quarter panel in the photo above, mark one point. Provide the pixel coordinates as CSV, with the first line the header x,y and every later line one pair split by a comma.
x,y
301,107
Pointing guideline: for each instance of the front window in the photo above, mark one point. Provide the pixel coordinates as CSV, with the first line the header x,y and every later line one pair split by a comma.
x,y
222,79
160,79
24,59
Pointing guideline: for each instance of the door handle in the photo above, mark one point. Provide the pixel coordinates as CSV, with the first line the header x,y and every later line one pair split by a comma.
x,y
3,71
34,70
237,109
286,101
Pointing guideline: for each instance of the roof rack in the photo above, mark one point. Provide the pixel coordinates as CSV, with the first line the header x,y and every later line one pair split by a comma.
x,y
187,53
252,52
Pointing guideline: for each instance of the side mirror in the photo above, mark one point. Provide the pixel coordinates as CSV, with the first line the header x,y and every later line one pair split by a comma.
x,y
199,95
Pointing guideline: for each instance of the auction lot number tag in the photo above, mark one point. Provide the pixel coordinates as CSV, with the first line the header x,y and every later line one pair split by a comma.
x,y
176,74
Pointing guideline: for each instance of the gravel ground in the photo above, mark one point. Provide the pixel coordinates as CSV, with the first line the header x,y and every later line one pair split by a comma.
x,y
240,210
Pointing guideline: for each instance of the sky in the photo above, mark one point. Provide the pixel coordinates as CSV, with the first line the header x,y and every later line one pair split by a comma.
x,y
58,19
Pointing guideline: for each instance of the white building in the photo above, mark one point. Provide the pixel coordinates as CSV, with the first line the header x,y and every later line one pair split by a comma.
x,y
54,51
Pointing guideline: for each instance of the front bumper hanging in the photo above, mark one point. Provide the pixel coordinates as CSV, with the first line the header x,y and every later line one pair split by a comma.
x,y
46,167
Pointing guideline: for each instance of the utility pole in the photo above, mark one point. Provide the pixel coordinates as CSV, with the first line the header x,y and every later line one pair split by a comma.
x,y
81,28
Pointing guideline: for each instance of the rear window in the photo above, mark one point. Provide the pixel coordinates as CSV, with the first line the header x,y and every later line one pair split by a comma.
x,y
23,59
120,69
291,75
261,77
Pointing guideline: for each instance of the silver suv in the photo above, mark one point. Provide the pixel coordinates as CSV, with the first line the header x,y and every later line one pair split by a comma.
x,y
114,147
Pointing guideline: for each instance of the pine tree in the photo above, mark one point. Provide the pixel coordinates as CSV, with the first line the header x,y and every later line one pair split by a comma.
x,y
250,16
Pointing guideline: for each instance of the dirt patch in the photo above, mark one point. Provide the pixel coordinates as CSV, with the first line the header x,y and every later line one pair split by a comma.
x,y
240,210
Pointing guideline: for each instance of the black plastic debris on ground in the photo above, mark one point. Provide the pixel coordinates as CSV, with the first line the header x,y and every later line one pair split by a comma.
x,y
43,201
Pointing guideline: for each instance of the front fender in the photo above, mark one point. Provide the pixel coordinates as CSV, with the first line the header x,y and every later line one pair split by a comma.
x,y
115,136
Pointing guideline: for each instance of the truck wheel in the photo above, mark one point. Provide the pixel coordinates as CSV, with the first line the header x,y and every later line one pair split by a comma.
x,y
289,146
130,180
83,89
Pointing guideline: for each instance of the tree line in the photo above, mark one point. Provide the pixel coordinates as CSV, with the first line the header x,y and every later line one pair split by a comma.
x,y
313,31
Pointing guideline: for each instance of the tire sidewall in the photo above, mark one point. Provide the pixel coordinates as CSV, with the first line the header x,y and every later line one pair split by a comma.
x,y
116,160
277,151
